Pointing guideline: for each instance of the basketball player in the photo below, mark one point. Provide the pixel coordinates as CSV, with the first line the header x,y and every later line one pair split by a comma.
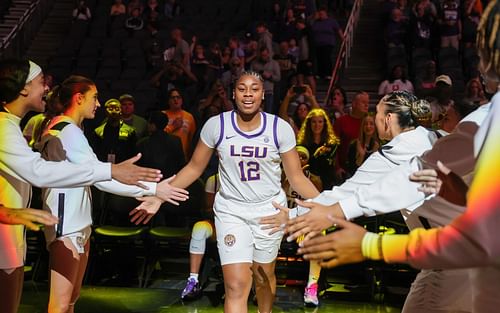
x,y
250,144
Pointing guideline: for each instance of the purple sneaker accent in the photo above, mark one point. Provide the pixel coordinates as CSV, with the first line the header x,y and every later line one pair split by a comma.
x,y
192,290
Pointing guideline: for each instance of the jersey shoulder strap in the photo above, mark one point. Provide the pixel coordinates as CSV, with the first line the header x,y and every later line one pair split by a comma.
x,y
60,126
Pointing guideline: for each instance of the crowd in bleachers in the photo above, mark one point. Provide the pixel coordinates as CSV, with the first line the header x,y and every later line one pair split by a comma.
x,y
425,39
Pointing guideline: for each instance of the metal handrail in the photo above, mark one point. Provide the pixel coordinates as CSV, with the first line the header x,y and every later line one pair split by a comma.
x,y
13,43
345,48
19,24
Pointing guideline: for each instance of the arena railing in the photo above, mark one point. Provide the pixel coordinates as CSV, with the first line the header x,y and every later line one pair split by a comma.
x,y
344,53
19,32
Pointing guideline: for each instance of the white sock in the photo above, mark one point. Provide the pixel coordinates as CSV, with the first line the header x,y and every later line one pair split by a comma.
x,y
194,276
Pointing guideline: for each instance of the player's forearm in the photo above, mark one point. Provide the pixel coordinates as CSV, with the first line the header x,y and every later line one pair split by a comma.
x,y
186,176
303,186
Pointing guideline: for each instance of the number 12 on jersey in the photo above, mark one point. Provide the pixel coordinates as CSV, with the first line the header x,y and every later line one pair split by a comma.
x,y
249,170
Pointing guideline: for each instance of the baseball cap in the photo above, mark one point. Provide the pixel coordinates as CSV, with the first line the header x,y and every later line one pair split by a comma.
x,y
127,97
444,79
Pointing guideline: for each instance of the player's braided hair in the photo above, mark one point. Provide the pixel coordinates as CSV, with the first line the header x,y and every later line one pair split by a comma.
x,y
251,73
488,37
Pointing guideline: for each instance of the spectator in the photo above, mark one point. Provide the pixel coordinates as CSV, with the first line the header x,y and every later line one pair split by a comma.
x,y
135,4
229,77
421,25
450,24
236,50
114,141
251,52
270,71
324,30
397,81
337,104
172,75
297,113
443,90
287,68
214,59
425,82
130,118
402,5
396,32
153,20
161,150
287,29
474,92
199,65
225,58
180,52
134,22
361,148
180,123
82,11
347,129
265,38
152,6
293,50
118,8
155,56
316,134
216,102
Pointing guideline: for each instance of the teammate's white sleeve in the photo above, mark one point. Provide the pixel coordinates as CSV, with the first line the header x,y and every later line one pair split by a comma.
x,y
78,151
17,156
390,193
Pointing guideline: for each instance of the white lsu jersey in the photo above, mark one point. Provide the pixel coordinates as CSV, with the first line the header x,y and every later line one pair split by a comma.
x,y
249,162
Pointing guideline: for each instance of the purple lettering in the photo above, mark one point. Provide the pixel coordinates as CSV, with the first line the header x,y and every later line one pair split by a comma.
x,y
249,152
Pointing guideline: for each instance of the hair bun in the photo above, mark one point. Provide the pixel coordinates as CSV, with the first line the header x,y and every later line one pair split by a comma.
x,y
421,111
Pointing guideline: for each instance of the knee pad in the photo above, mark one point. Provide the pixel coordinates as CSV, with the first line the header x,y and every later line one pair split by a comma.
x,y
201,232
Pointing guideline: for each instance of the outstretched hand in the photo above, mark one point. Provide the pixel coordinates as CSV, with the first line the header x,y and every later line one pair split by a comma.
x,y
146,210
311,223
339,247
128,173
277,221
169,193
442,182
27,217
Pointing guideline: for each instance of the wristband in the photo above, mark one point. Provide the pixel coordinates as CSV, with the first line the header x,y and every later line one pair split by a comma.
x,y
371,246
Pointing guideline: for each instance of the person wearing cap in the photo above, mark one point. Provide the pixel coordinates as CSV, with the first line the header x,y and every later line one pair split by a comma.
x,y
22,88
114,140
442,94
130,118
